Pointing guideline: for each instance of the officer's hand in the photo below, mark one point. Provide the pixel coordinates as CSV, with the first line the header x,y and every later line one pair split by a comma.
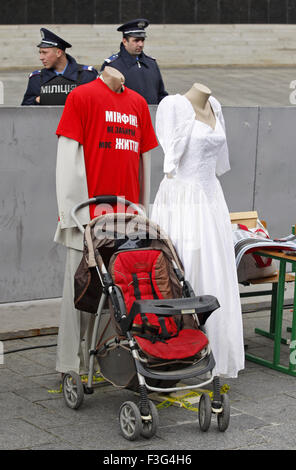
x,y
37,99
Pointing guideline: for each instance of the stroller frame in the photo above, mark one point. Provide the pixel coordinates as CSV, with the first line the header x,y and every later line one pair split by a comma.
x,y
144,419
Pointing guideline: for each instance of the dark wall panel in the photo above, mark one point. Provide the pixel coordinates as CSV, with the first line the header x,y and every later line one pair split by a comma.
x,y
129,9
13,12
154,10
157,11
180,12
38,13
234,11
86,13
65,11
258,11
291,11
107,12
208,11
277,11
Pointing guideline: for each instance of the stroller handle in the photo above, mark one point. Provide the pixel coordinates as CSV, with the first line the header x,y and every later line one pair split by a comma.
x,y
104,199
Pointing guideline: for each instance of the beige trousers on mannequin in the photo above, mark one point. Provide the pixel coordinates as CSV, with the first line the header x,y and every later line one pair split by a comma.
x,y
76,327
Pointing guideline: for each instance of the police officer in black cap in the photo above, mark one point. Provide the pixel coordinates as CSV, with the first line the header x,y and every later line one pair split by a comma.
x,y
141,72
61,73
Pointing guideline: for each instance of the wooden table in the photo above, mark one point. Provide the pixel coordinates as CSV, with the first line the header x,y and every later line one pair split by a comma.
x,y
275,332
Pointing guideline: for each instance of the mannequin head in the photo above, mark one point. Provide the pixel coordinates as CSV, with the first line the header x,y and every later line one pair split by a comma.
x,y
113,79
199,87
198,95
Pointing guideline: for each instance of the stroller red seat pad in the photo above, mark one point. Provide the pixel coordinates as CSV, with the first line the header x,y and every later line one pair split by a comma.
x,y
187,343
143,274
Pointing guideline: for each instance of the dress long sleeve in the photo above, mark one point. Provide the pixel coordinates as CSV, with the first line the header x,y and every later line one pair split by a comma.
x,y
222,165
173,129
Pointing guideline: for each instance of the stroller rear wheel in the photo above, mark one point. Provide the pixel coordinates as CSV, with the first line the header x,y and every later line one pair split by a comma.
x,y
204,412
73,390
149,426
130,420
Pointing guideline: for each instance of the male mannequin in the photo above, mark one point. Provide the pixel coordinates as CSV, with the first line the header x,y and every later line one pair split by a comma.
x,y
75,174
198,95
71,176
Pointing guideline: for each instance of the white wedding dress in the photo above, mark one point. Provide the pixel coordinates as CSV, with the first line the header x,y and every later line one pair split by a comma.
x,y
190,207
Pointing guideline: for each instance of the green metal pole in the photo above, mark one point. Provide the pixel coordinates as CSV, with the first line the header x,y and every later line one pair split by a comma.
x,y
292,364
279,312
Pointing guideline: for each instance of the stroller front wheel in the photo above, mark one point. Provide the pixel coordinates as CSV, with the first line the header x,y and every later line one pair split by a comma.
x,y
149,426
204,412
73,390
224,417
130,421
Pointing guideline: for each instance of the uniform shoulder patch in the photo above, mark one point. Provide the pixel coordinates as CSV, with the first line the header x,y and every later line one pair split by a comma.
x,y
111,58
88,67
150,57
36,72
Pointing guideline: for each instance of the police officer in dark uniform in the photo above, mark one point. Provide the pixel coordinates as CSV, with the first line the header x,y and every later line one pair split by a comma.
x,y
61,73
141,72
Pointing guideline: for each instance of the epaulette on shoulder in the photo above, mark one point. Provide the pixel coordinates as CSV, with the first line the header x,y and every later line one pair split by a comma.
x,y
111,58
36,72
150,57
90,68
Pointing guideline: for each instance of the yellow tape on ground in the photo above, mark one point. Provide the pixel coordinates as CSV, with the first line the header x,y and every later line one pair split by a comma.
x,y
187,400
56,391
84,379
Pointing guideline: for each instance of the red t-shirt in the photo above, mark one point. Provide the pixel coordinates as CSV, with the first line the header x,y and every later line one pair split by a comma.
x,y
114,129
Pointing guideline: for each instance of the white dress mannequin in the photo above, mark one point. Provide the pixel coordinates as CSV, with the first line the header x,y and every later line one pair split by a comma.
x,y
190,207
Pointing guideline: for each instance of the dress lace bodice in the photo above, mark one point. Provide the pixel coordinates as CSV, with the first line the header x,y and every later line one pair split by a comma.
x,y
193,151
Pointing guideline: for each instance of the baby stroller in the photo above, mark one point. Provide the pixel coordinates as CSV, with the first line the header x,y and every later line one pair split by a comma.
x,y
148,330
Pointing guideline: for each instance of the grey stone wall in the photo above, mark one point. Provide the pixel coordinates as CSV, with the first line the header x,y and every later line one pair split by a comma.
x,y
262,158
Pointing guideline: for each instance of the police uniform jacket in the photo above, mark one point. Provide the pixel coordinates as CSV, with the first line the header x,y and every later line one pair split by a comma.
x,y
79,74
141,74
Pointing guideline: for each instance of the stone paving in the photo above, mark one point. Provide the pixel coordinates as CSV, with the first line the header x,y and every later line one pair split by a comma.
x,y
35,416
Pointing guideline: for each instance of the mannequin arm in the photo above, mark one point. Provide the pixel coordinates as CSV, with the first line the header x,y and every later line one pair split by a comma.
x,y
71,182
145,180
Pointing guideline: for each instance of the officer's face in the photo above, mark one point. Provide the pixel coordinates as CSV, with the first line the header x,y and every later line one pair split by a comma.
x,y
134,46
49,56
